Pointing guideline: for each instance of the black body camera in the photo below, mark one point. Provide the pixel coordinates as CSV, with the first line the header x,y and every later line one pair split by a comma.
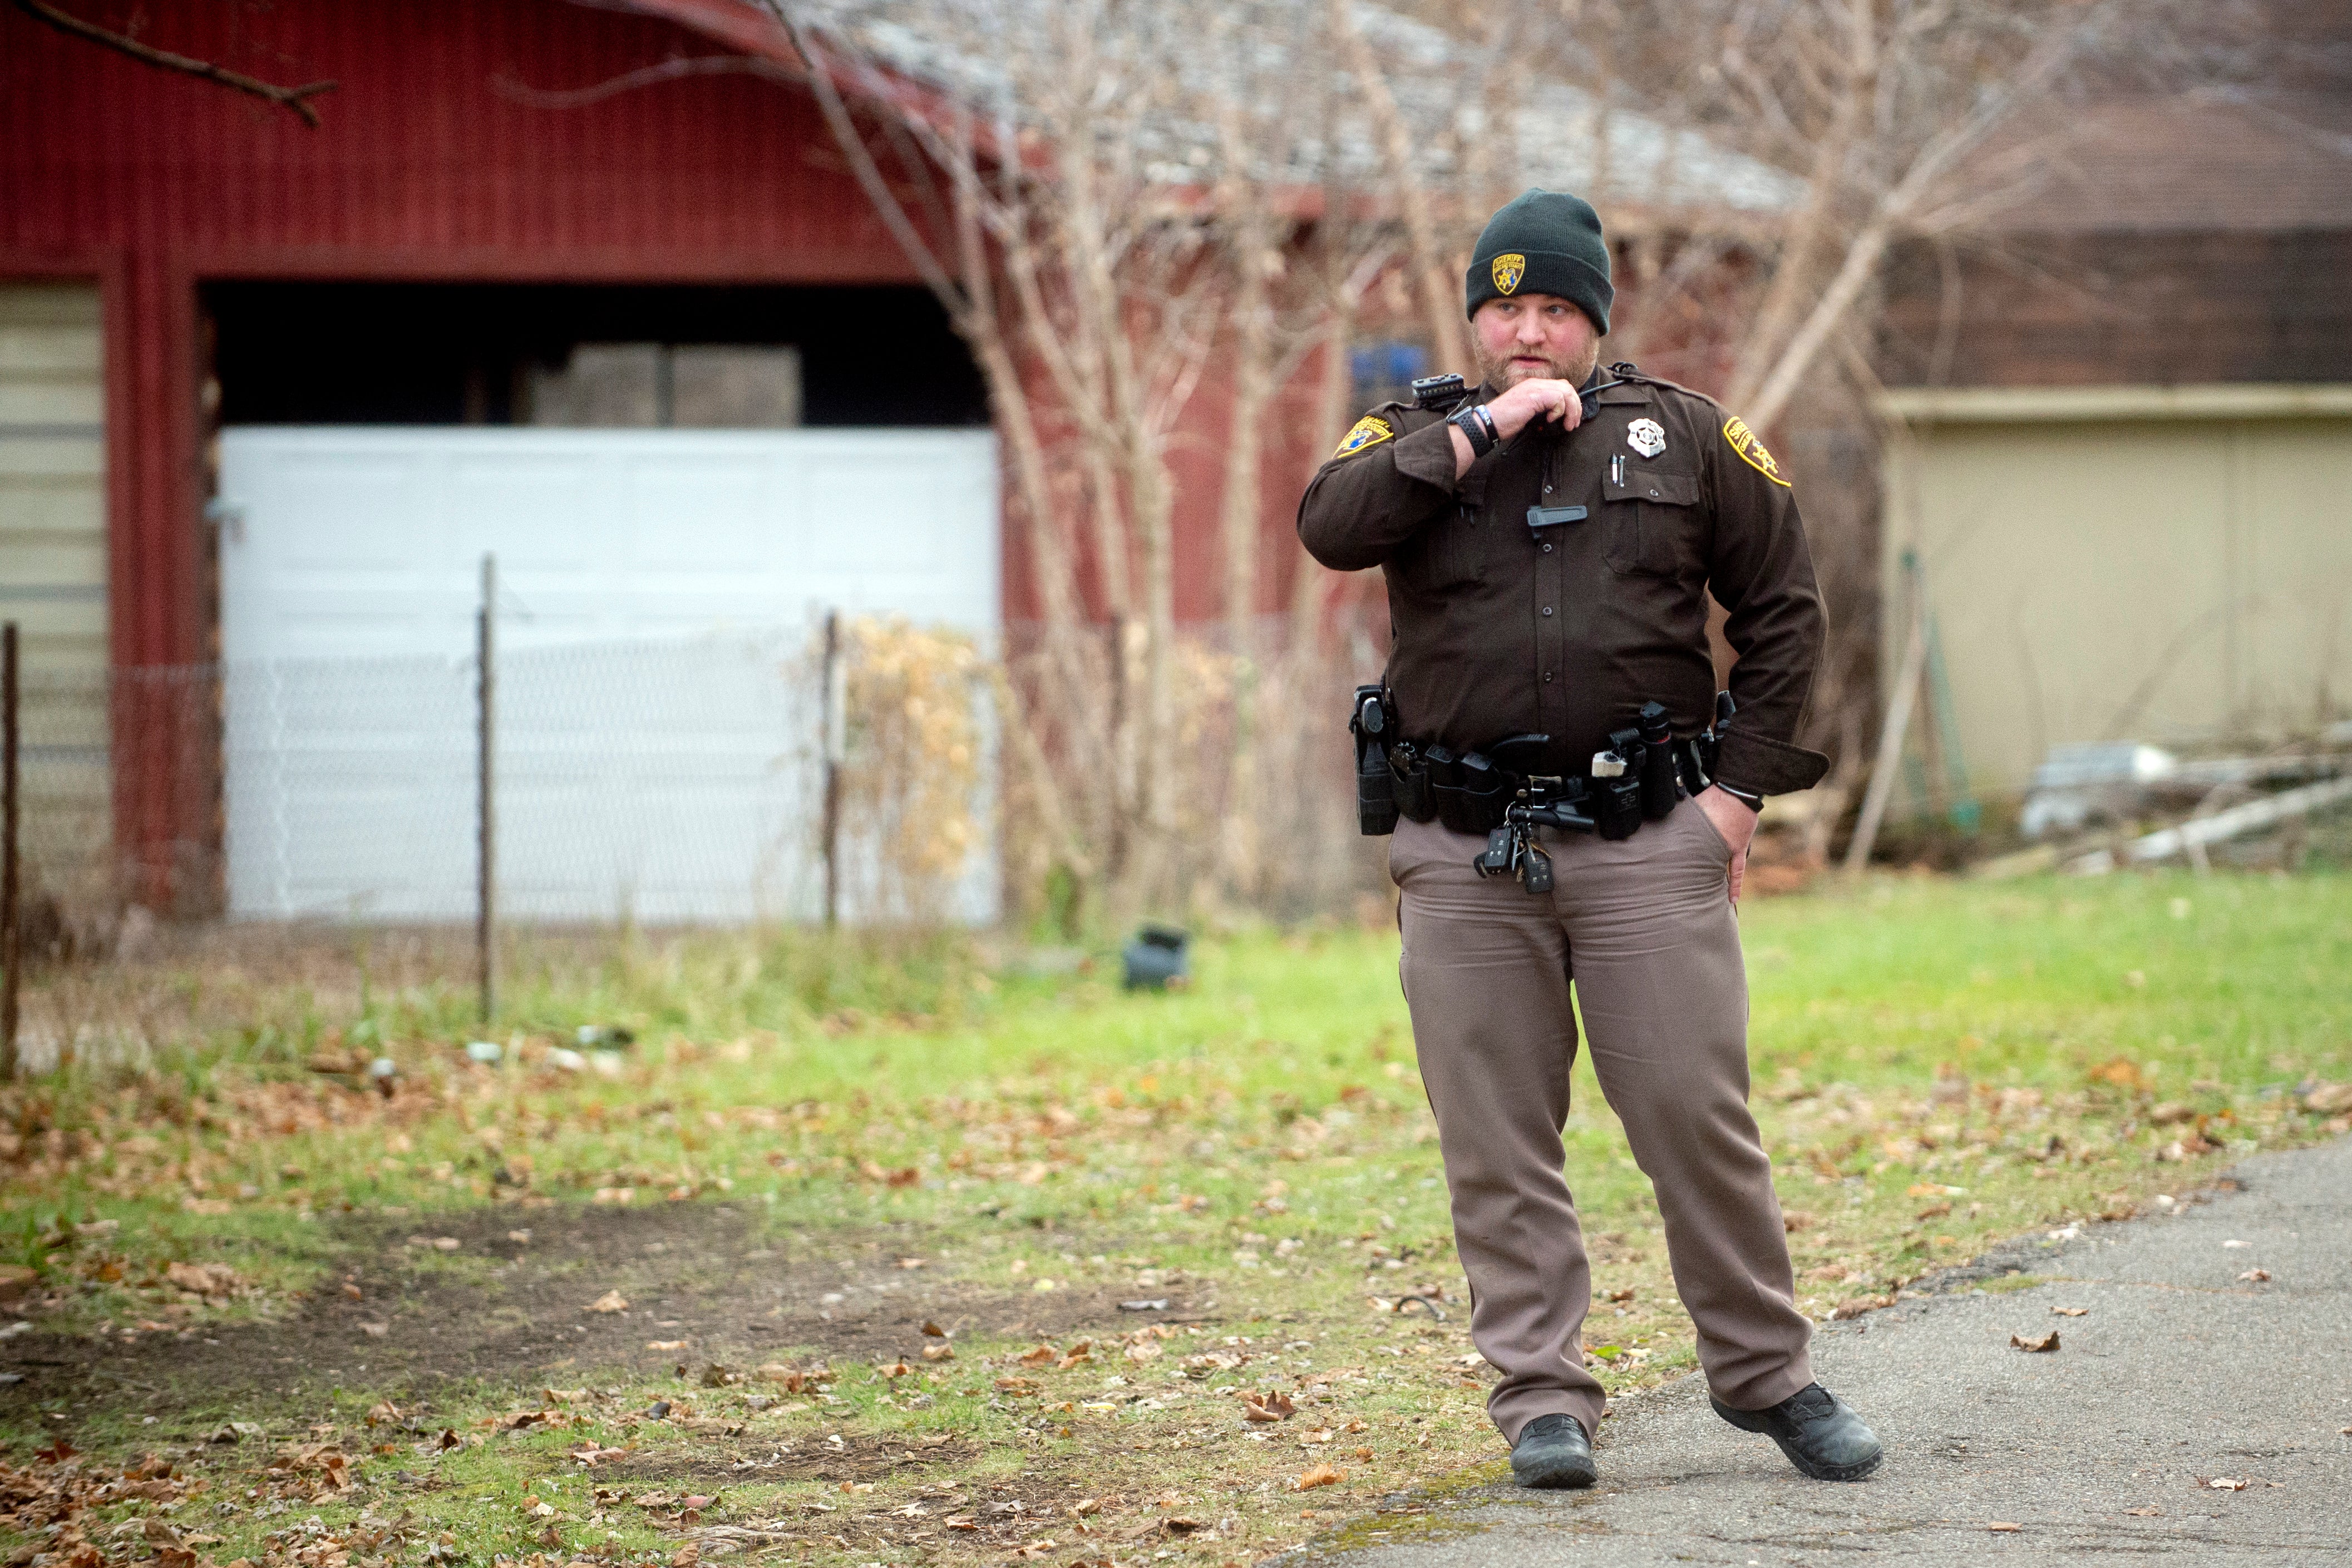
x,y
1442,392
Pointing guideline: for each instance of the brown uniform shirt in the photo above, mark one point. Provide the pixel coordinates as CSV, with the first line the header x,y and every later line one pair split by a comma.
x,y
1502,629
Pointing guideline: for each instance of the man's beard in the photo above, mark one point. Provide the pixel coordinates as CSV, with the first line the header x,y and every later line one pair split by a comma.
x,y
1502,375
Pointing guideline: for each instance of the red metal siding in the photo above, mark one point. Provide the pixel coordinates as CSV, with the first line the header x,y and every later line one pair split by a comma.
x,y
430,164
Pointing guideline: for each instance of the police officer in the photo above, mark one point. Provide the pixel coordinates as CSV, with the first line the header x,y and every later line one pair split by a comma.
x,y
1549,558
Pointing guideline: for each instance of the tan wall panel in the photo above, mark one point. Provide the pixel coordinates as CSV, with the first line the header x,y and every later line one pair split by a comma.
x,y
2296,669
62,511
2185,582
58,304
61,351
34,401
2065,565
53,571
44,458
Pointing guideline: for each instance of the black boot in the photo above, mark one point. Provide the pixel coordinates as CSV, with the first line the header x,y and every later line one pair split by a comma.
x,y
1820,1433
1553,1453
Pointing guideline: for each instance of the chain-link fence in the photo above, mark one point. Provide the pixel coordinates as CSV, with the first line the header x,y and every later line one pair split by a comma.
x,y
649,782
321,820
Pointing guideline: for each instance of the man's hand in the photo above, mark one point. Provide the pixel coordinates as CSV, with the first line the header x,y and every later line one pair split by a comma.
x,y
1735,822
1515,410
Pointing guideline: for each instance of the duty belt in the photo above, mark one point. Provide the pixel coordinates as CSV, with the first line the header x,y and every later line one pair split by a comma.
x,y
1496,792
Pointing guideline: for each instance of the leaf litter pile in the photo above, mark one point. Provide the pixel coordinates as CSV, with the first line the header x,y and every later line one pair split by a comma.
x,y
1094,1280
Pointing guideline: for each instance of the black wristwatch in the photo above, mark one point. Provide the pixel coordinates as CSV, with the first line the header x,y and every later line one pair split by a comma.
x,y
1477,426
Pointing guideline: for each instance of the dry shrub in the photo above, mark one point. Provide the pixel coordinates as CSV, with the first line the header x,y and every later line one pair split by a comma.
x,y
911,766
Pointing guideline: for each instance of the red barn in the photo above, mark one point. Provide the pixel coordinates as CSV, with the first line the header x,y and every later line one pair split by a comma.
x,y
477,203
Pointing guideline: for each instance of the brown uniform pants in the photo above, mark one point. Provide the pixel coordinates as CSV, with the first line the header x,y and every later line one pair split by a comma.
x,y
1645,929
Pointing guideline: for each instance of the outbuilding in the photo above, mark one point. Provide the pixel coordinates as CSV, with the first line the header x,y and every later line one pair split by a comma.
x,y
2118,504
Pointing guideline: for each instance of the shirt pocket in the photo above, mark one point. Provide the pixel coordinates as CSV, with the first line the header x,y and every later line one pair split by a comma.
x,y
1647,518
1451,553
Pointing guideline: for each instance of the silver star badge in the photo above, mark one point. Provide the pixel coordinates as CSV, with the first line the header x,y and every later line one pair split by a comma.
x,y
1646,437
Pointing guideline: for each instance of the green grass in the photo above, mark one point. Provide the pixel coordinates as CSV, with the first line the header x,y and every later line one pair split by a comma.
x,y
1938,1065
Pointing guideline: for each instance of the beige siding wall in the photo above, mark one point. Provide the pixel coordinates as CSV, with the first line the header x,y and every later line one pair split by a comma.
x,y
2180,573
53,567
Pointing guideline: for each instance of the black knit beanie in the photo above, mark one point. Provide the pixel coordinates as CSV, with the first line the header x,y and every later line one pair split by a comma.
x,y
1546,242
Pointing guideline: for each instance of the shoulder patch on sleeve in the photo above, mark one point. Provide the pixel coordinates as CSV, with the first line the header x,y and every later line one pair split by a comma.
x,y
1751,451
1369,431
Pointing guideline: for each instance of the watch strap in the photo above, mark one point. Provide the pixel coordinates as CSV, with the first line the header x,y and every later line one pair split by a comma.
x,y
1477,426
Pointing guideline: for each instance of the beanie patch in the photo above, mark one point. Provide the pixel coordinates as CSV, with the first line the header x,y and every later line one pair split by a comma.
x,y
1546,242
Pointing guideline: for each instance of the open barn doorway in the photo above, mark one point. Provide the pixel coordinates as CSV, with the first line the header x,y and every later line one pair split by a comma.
x,y
678,486
632,356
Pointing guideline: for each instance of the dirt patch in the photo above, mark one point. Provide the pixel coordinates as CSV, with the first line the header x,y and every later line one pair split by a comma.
x,y
398,1313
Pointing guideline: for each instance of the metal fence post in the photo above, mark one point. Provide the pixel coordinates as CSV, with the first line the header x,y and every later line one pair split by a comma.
x,y
485,921
12,945
836,738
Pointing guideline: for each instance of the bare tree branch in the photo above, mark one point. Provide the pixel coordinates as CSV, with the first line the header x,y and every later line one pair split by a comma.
x,y
295,99
630,82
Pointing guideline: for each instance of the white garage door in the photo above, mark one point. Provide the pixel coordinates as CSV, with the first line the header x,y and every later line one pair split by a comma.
x,y
657,714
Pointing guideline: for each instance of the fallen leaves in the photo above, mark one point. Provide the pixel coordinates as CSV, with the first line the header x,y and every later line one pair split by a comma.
x,y
2004,1527
2038,1345
214,1281
1272,1406
610,1301
2121,1072
1856,1306
1320,1476
795,1379
2070,1312
323,1464
2256,1277
2328,1100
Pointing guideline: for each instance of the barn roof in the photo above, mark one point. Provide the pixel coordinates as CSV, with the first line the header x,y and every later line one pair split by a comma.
x,y
1560,136
2214,160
